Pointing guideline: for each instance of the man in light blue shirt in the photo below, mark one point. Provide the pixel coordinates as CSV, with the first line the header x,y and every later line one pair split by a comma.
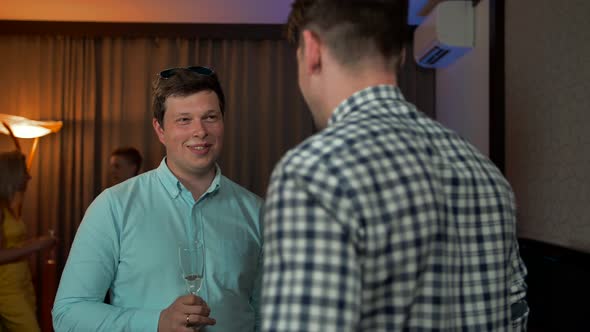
x,y
129,238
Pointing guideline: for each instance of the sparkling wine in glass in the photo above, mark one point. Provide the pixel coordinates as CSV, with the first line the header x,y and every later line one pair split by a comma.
x,y
192,263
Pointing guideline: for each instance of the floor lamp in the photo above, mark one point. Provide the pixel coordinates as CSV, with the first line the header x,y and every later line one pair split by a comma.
x,y
21,127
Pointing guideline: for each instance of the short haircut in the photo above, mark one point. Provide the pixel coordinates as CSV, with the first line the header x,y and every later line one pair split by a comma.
x,y
183,83
352,29
13,173
130,154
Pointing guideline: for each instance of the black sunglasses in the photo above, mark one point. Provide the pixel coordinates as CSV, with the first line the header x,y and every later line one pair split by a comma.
x,y
167,73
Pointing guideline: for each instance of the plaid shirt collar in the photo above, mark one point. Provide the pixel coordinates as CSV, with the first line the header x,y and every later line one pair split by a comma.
x,y
360,98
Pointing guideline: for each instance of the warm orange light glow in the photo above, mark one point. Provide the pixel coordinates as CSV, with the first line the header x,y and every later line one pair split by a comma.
x,y
28,131
25,128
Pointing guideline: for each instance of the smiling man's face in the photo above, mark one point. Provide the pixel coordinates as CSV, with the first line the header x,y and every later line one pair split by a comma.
x,y
192,132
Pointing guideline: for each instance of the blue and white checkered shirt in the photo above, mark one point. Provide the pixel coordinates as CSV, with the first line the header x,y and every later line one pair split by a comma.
x,y
387,221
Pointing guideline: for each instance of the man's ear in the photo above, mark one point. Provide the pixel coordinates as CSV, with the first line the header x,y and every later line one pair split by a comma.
x,y
158,129
312,55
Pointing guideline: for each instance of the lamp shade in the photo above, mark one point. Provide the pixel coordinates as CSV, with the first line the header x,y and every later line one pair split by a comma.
x,y
25,128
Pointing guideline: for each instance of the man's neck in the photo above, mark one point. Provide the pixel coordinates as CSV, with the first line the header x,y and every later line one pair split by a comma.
x,y
348,82
196,184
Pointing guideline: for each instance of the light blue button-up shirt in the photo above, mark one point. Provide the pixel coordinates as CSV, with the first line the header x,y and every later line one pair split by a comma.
x,y
128,242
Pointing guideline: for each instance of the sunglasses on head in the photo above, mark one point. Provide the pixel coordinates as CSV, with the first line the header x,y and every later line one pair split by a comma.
x,y
167,73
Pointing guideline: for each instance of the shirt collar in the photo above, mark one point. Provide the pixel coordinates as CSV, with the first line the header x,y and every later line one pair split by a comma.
x,y
362,97
173,185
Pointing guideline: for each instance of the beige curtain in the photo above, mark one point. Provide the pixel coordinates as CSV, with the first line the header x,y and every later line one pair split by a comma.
x,y
101,88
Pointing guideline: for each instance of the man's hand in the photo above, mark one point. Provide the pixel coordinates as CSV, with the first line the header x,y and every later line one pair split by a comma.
x,y
185,314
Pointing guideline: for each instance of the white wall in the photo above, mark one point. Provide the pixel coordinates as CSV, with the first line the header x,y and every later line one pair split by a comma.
x,y
462,89
172,11
548,118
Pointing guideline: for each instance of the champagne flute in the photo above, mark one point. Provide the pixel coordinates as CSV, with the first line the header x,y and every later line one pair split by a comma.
x,y
192,263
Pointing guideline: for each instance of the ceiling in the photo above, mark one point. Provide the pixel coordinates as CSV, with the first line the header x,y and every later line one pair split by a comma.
x,y
161,11
169,11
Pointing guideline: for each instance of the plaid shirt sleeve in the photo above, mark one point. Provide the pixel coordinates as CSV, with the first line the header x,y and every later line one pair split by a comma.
x,y
311,280
518,287
519,306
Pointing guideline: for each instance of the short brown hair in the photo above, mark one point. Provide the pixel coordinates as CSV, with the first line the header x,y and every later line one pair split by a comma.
x,y
13,174
352,29
181,84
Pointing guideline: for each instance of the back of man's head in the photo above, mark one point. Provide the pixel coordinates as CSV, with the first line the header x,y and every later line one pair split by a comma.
x,y
352,29
124,163
130,154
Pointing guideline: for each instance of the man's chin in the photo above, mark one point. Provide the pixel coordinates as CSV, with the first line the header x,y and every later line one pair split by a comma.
x,y
203,169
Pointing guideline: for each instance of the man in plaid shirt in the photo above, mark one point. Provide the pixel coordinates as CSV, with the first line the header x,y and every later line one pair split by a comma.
x,y
384,220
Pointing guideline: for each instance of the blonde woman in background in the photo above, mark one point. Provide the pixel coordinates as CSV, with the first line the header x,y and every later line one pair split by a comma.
x,y
17,295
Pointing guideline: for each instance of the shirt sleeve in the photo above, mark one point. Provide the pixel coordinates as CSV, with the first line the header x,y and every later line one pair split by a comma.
x,y
256,294
88,273
311,279
518,305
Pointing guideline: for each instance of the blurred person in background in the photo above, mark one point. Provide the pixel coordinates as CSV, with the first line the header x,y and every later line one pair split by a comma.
x,y
17,294
124,163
